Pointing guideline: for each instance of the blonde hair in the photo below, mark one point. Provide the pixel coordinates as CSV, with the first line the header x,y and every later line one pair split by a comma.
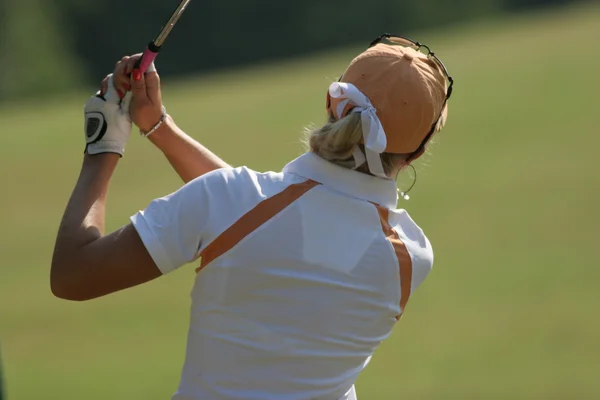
x,y
336,141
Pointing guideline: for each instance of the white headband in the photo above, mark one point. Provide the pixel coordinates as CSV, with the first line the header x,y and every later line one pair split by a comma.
x,y
373,133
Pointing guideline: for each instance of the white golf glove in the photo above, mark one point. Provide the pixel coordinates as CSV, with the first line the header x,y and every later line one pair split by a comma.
x,y
107,122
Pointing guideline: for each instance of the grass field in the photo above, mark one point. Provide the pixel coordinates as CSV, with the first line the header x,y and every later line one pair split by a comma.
x,y
509,197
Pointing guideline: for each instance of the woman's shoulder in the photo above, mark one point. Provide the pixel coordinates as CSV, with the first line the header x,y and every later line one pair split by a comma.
x,y
241,183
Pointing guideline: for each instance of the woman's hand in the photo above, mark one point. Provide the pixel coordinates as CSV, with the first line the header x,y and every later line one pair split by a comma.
x,y
107,123
146,105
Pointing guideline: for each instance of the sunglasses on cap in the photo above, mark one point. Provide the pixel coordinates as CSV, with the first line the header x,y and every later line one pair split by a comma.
x,y
397,40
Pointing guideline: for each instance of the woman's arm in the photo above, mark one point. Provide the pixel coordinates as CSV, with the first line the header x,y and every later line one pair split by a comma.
x,y
189,158
86,264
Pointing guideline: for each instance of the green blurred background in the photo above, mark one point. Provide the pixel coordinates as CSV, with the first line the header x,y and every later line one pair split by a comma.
x,y
508,194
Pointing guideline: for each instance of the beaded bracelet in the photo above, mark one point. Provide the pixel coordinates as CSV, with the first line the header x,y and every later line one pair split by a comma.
x,y
162,119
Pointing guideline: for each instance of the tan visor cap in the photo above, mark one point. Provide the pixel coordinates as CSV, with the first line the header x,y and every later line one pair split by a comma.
x,y
407,89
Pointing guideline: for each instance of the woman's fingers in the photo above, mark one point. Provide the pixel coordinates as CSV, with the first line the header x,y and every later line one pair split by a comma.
x,y
120,79
122,73
104,86
121,61
131,63
121,82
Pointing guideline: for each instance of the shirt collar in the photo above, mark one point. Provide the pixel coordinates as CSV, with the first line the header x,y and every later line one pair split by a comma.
x,y
349,182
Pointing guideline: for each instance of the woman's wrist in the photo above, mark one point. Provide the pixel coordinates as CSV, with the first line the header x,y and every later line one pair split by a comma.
x,y
162,133
147,131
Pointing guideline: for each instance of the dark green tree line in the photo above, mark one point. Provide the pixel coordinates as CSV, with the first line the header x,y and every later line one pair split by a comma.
x,y
53,46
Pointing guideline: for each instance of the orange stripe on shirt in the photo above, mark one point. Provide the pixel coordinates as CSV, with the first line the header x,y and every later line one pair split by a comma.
x,y
252,220
404,259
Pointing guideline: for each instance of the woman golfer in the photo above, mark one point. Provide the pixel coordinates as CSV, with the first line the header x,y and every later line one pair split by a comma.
x,y
301,273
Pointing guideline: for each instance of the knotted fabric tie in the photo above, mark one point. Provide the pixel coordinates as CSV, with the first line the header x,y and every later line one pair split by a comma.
x,y
373,133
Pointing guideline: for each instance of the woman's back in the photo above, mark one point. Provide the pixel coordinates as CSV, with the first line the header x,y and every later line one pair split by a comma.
x,y
303,275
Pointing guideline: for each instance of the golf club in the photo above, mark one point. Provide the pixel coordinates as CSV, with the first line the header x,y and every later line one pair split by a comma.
x,y
155,46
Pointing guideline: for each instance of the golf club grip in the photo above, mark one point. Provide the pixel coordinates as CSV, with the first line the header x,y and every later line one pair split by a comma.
x,y
147,58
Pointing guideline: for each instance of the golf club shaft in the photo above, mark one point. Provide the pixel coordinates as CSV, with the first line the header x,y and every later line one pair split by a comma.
x,y
154,47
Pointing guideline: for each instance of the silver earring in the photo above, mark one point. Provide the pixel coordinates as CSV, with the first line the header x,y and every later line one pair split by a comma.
x,y
405,195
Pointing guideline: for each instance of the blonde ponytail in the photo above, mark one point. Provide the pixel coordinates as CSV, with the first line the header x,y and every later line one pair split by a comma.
x,y
336,141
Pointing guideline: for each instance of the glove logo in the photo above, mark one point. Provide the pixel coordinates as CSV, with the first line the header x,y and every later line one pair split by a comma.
x,y
95,126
